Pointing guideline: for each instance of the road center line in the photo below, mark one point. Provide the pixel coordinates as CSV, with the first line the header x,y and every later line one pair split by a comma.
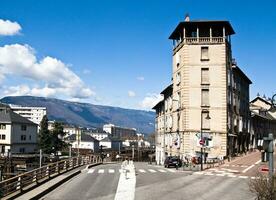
x,y
126,184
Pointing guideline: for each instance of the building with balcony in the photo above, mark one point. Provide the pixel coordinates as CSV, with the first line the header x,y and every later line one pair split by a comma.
x,y
201,97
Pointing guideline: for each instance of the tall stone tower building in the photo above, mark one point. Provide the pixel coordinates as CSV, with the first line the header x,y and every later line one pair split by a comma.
x,y
197,115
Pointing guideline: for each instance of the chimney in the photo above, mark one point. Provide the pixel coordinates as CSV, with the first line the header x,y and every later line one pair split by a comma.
x,y
187,17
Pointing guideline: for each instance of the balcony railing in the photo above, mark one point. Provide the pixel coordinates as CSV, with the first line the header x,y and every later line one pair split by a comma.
x,y
201,40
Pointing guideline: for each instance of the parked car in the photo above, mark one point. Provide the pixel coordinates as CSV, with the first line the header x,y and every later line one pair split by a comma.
x,y
172,161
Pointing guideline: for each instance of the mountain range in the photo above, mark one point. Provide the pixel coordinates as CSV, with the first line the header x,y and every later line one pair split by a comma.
x,y
86,114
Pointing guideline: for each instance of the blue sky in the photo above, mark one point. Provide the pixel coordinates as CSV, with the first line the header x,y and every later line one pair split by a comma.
x,y
117,52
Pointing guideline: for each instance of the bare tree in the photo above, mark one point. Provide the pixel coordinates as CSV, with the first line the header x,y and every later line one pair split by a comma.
x,y
261,186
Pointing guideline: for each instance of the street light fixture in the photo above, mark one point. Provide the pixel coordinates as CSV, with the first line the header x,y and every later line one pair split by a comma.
x,y
201,137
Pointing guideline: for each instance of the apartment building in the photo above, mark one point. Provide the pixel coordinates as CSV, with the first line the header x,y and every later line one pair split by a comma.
x,y
34,114
119,132
17,134
197,114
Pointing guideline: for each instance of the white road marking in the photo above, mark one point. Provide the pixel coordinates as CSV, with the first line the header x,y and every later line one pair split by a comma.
x,y
248,168
232,176
258,162
152,170
220,174
208,174
142,170
90,171
126,184
243,176
198,172
101,171
170,170
162,170
111,171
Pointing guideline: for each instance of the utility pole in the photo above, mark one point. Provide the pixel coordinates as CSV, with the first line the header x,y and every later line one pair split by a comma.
x,y
70,151
40,158
132,152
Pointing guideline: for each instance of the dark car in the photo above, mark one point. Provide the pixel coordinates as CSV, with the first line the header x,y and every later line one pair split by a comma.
x,y
172,161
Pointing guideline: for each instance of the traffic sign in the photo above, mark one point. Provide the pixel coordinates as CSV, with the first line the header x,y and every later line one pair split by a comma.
x,y
201,142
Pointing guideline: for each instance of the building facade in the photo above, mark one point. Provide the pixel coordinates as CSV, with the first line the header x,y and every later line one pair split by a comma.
x,y
83,141
119,132
34,114
263,121
17,134
197,106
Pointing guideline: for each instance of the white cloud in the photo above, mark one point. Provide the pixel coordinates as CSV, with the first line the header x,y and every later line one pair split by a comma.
x,y
9,28
86,71
56,76
150,100
131,93
140,78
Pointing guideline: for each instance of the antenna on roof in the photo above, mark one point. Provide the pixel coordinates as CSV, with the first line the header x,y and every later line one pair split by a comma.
x,y
187,17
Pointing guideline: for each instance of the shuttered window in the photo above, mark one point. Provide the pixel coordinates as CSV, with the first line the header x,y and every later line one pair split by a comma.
x,y
204,53
205,121
204,76
204,97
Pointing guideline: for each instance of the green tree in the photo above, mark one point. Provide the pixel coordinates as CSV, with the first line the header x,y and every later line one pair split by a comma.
x,y
56,136
44,136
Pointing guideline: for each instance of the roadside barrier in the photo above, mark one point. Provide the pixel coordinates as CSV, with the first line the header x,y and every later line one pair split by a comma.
x,y
38,176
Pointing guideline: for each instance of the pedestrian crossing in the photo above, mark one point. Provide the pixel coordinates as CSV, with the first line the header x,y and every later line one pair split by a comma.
x,y
223,172
141,171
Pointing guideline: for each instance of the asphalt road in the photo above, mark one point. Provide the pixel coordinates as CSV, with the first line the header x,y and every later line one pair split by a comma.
x,y
100,185
153,182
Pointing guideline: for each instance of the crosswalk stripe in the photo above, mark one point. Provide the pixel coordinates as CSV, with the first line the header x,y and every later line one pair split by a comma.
x,y
111,171
152,170
101,171
170,170
162,170
142,170
90,171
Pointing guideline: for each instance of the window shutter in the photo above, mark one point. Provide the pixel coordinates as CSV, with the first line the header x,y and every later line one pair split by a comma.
x,y
204,76
205,98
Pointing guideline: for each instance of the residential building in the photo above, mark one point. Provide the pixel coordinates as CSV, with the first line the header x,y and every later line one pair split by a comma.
x,y
111,143
119,132
83,141
98,135
263,120
17,134
70,130
34,114
198,104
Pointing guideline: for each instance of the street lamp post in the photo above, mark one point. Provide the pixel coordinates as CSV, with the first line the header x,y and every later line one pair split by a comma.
x,y
201,139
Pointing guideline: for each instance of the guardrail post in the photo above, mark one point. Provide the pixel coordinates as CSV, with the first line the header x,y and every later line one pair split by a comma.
x,y
65,165
57,167
35,177
48,172
19,184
